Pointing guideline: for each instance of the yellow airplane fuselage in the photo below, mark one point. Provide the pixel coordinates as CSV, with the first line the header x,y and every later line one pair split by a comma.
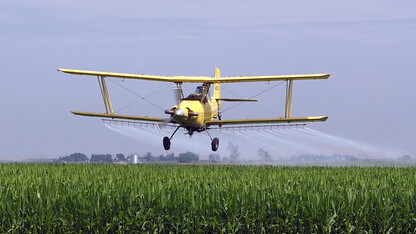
x,y
207,111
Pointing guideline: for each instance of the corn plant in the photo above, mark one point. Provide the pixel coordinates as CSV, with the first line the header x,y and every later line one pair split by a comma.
x,y
65,198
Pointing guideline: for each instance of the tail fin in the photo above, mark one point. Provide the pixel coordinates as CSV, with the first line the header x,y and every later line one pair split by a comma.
x,y
217,89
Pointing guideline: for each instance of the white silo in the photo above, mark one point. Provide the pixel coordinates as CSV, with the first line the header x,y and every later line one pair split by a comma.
x,y
135,159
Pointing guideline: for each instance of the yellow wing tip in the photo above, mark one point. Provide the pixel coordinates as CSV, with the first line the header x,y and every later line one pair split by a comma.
x,y
65,70
318,118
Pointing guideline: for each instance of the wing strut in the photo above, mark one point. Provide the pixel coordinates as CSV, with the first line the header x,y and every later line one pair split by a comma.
x,y
104,93
288,109
204,94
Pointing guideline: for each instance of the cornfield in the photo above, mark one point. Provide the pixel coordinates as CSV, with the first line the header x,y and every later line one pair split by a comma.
x,y
72,198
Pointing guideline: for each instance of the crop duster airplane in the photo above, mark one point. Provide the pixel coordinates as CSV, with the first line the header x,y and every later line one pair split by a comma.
x,y
199,111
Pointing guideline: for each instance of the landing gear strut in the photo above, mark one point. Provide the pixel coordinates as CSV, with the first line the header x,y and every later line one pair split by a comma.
x,y
214,142
166,140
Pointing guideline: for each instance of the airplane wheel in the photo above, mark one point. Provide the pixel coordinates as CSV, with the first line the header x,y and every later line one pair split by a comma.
x,y
214,144
166,143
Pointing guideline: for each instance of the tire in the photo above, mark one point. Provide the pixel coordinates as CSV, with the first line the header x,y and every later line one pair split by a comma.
x,y
214,144
166,143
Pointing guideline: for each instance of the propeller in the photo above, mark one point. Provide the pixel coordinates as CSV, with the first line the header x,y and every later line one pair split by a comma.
x,y
177,90
174,112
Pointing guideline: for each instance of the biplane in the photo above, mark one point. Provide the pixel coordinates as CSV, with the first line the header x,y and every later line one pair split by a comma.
x,y
199,111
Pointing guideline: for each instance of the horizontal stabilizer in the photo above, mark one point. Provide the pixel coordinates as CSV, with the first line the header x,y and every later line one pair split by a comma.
x,y
266,121
236,100
113,116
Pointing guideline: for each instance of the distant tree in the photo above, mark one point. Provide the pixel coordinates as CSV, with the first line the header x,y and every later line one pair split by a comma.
x,y
149,157
234,153
171,157
264,155
121,157
75,157
161,158
214,157
405,158
168,157
128,158
188,157
101,158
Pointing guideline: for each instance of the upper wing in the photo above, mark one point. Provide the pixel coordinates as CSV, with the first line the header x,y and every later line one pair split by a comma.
x,y
197,79
264,121
269,78
176,79
129,117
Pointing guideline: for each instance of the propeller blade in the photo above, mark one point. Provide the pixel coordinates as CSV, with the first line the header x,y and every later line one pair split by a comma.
x,y
177,94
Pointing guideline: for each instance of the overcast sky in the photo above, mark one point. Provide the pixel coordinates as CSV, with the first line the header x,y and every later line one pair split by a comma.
x,y
369,47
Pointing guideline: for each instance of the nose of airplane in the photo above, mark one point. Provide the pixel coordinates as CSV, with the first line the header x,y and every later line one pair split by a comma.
x,y
180,113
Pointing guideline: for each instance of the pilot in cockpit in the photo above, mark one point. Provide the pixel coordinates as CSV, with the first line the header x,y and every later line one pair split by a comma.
x,y
199,90
197,95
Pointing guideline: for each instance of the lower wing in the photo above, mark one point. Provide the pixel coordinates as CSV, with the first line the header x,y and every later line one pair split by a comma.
x,y
129,117
265,121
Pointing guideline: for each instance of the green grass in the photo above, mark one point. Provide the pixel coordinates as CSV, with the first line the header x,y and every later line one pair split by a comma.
x,y
129,198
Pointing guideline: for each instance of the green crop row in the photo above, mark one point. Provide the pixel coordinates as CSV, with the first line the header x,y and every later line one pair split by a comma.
x,y
139,198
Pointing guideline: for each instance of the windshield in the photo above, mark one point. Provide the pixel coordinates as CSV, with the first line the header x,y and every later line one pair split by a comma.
x,y
199,91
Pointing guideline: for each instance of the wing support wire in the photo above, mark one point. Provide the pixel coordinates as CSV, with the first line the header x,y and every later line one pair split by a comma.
x,y
106,96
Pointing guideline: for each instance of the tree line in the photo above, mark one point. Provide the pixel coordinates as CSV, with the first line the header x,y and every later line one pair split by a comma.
x,y
186,157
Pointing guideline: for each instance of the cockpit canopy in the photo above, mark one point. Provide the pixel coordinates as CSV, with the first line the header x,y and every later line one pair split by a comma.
x,y
199,91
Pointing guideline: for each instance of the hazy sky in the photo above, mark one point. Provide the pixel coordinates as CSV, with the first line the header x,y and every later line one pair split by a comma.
x,y
369,47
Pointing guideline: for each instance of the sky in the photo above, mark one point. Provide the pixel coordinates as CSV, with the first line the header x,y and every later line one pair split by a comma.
x,y
368,47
